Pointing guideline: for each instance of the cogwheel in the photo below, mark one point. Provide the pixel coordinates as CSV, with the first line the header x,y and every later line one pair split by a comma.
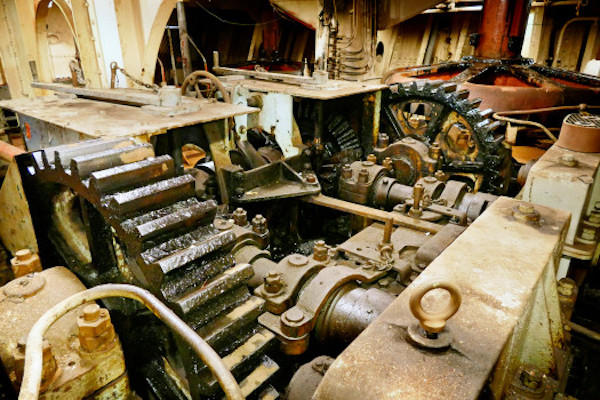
x,y
436,112
142,223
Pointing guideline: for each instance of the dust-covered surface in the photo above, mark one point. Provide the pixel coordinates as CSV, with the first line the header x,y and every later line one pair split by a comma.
x,y
496,263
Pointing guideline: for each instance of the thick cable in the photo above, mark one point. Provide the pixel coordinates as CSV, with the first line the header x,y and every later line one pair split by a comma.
x,y
32,374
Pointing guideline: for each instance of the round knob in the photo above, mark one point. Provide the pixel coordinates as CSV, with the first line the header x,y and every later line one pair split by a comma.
x,y
434,322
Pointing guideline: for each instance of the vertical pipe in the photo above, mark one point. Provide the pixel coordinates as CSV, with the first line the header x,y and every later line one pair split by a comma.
x,y
173,65
183,40
502,28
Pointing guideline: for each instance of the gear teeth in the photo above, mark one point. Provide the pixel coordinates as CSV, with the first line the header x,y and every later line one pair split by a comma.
x,y
448,87
152,196
462,94
86,164
487,113
132,175
62,155
179,251
175,218
475,103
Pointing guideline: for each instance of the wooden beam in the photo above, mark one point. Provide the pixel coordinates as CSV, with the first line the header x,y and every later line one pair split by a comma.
x,y
129,23
86,40
153,43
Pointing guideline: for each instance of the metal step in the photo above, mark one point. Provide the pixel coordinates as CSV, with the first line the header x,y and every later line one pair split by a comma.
x,y
86,164
152,196
64,154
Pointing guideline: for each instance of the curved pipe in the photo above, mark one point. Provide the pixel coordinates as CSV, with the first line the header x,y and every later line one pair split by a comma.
x,y
562,34
32,374
216,81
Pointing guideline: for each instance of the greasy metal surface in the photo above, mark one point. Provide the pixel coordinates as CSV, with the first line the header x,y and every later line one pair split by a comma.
x,y
102,119
80,373
19,233
497,263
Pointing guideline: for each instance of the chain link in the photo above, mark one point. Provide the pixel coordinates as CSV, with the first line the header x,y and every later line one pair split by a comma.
x,y
114,68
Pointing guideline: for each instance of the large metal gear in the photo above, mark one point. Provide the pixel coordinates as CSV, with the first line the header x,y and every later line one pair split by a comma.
x,y
143,224
436,113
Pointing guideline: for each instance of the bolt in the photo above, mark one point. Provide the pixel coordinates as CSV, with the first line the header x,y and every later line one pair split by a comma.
x,y
440,175
347,172
297,260
25,262
430,179
320,251
526,209
434,150
383,140
240,217
387,230
568,160
259,224
588,234
223,224
363,176
388,164
91,312
372,158
532,378
273,282
311,178
49,362
23,254
566,287
294,315
418,195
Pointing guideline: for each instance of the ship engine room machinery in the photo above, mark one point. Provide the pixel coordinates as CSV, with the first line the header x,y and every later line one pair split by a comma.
x,y
320,230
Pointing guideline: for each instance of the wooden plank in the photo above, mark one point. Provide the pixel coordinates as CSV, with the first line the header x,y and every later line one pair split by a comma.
x,y
341,89
16,226
86,40
101,119
592,46
129,23
425,41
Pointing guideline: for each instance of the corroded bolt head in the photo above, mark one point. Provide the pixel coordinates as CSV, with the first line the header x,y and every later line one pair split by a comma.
x,y
223,224
566,287
526,209
320,250
91,312
347,172
388,164
532,378
259,224
273,282
311,178
240,217
363,176
434,150
568,160
294,315
23,254
383,140
439,175
372,158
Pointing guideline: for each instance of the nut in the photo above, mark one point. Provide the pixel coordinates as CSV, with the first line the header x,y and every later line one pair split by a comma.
x,y
311,178
294,315
531,378
566,287
95,328
588,234
363,176
223,224
526,212
434,150
273,282
25,262
347,172
49,362
240,217
383,140
372,158
320,251
568,160
259,224
297,260
388,164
